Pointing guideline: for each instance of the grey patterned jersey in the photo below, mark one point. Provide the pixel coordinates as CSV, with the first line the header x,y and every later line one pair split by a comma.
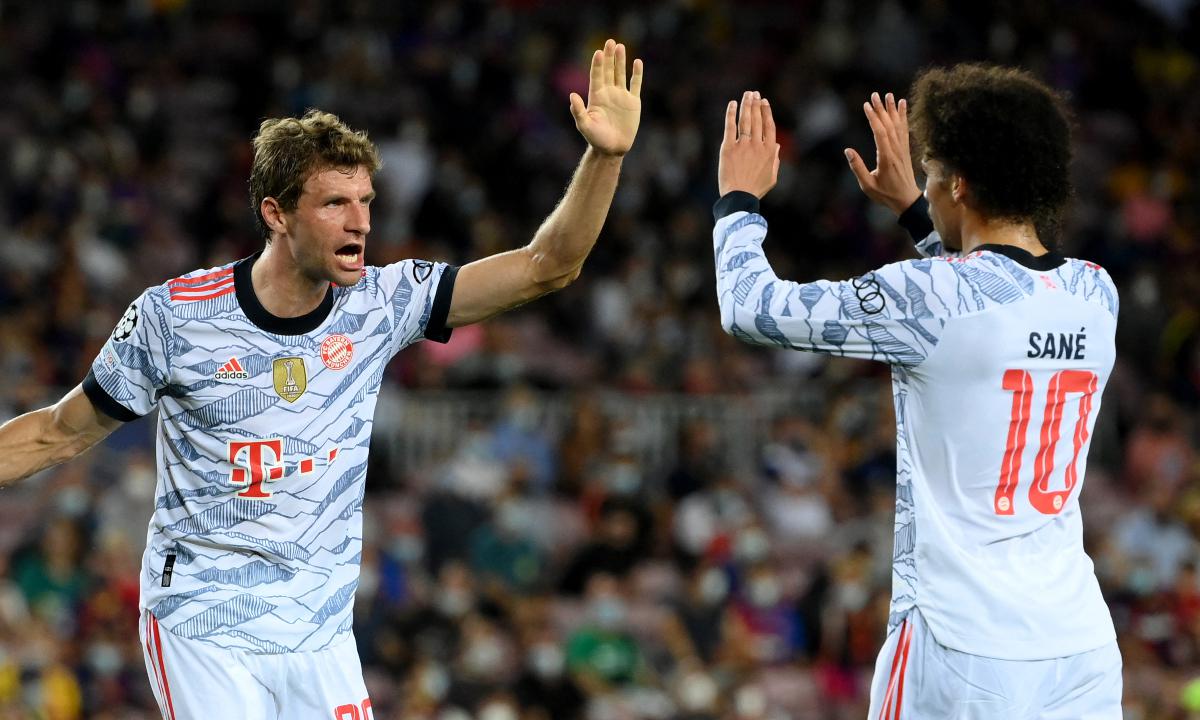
x,y
263,429
998,362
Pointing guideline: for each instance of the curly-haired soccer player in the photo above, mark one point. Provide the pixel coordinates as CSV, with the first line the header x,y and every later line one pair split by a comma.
x,y
265,373
1000,349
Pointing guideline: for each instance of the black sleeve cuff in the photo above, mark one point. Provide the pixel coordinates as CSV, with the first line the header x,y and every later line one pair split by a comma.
x,y
736,201
104,402
916,219
436,329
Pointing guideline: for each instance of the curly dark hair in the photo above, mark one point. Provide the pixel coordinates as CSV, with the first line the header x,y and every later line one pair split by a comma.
x,y
1005,131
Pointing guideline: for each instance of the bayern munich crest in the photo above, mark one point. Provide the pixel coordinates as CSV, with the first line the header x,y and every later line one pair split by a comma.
x,y
336,352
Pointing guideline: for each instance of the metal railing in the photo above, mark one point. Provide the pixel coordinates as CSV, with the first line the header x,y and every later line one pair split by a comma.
x,y
422,428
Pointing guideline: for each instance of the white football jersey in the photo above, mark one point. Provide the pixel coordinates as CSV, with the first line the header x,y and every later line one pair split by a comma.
x,y
263,429
998,363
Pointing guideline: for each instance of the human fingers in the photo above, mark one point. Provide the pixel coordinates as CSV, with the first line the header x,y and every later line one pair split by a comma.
x,y
894,123
606,70
883,142
578,109
619,66
768,123
635,83
859,168
885,119
730,122
756,119
596,77
744,116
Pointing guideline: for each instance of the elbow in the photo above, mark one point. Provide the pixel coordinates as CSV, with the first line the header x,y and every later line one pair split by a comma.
x,y
550,275
727,315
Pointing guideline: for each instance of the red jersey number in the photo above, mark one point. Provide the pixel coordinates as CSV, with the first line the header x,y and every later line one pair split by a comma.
x,y
1020,382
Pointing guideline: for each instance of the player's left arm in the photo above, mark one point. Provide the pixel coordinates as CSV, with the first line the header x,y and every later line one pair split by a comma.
x,y
894,314
555,256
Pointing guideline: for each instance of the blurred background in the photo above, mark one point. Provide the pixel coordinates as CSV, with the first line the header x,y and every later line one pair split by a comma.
x,y
598,506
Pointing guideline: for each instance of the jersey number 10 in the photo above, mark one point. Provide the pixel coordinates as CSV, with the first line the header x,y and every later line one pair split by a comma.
x,y
1020,382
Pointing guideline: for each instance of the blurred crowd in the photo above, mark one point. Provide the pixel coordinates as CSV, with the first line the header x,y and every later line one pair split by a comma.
x,y
540,571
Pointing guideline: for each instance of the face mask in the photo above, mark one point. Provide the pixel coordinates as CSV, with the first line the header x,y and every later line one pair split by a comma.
x,y
72,502
512,518
697,693
853,596
484,657
714,586
138,482
454,603
750,702
434,682
104,658
498,711
608,612
546,660
624,479
751,546
764,592
408,549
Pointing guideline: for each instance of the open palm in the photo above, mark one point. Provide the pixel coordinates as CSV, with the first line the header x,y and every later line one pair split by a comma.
x,y
609,121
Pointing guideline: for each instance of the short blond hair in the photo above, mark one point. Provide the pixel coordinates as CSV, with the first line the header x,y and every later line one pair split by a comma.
x,y
287,151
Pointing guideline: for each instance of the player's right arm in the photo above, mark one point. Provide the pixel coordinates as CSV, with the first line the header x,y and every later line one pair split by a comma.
x,y
126,378
43,438
893,182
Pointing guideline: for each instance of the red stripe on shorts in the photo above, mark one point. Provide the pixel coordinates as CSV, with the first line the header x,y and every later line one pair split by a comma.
x,y
163,667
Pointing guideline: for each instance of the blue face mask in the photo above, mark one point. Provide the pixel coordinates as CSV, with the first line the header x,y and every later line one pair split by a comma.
x,y
608,612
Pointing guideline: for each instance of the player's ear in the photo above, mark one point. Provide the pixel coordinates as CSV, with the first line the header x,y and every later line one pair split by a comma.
x,y
958,188
273,215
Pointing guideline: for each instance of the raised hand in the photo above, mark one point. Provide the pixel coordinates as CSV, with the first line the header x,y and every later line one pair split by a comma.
x,y
609,121
892,183
749,154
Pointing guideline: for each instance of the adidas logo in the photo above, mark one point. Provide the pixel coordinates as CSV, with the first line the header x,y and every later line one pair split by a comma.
x,y
231,370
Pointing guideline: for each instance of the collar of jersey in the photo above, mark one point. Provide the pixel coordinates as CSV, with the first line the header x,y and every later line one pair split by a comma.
x,y
1048,261
264,319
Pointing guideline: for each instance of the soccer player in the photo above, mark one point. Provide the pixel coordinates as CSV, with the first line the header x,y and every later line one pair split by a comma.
x,y
1000,349
265,373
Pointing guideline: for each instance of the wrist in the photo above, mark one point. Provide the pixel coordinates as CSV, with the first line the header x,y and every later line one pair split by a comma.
x,y
735,201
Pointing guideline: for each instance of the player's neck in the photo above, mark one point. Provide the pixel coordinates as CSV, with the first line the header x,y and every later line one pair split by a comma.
x,y
280,286
978,231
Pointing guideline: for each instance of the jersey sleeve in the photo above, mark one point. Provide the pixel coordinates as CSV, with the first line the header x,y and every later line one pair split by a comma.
x,y
134,366
894,314
419,293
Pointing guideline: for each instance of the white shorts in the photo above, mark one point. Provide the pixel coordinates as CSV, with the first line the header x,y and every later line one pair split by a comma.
x,y
916,678
193,680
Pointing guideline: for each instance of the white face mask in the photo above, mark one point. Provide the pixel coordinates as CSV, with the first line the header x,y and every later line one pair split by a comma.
x,y
697,693
498,711
455,603
434,682
609,612
764,592
714,586
484,657
546,660
752,545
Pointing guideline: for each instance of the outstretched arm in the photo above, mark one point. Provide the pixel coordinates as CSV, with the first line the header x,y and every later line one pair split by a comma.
x,y
554,258
42,438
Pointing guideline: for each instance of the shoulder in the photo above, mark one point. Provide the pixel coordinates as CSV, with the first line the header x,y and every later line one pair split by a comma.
x,y
199,287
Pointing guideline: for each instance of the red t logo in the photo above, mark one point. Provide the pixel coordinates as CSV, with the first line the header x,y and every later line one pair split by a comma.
x,y
260,468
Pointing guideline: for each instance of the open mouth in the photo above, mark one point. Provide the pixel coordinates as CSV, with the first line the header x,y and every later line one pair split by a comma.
x,y
350,253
